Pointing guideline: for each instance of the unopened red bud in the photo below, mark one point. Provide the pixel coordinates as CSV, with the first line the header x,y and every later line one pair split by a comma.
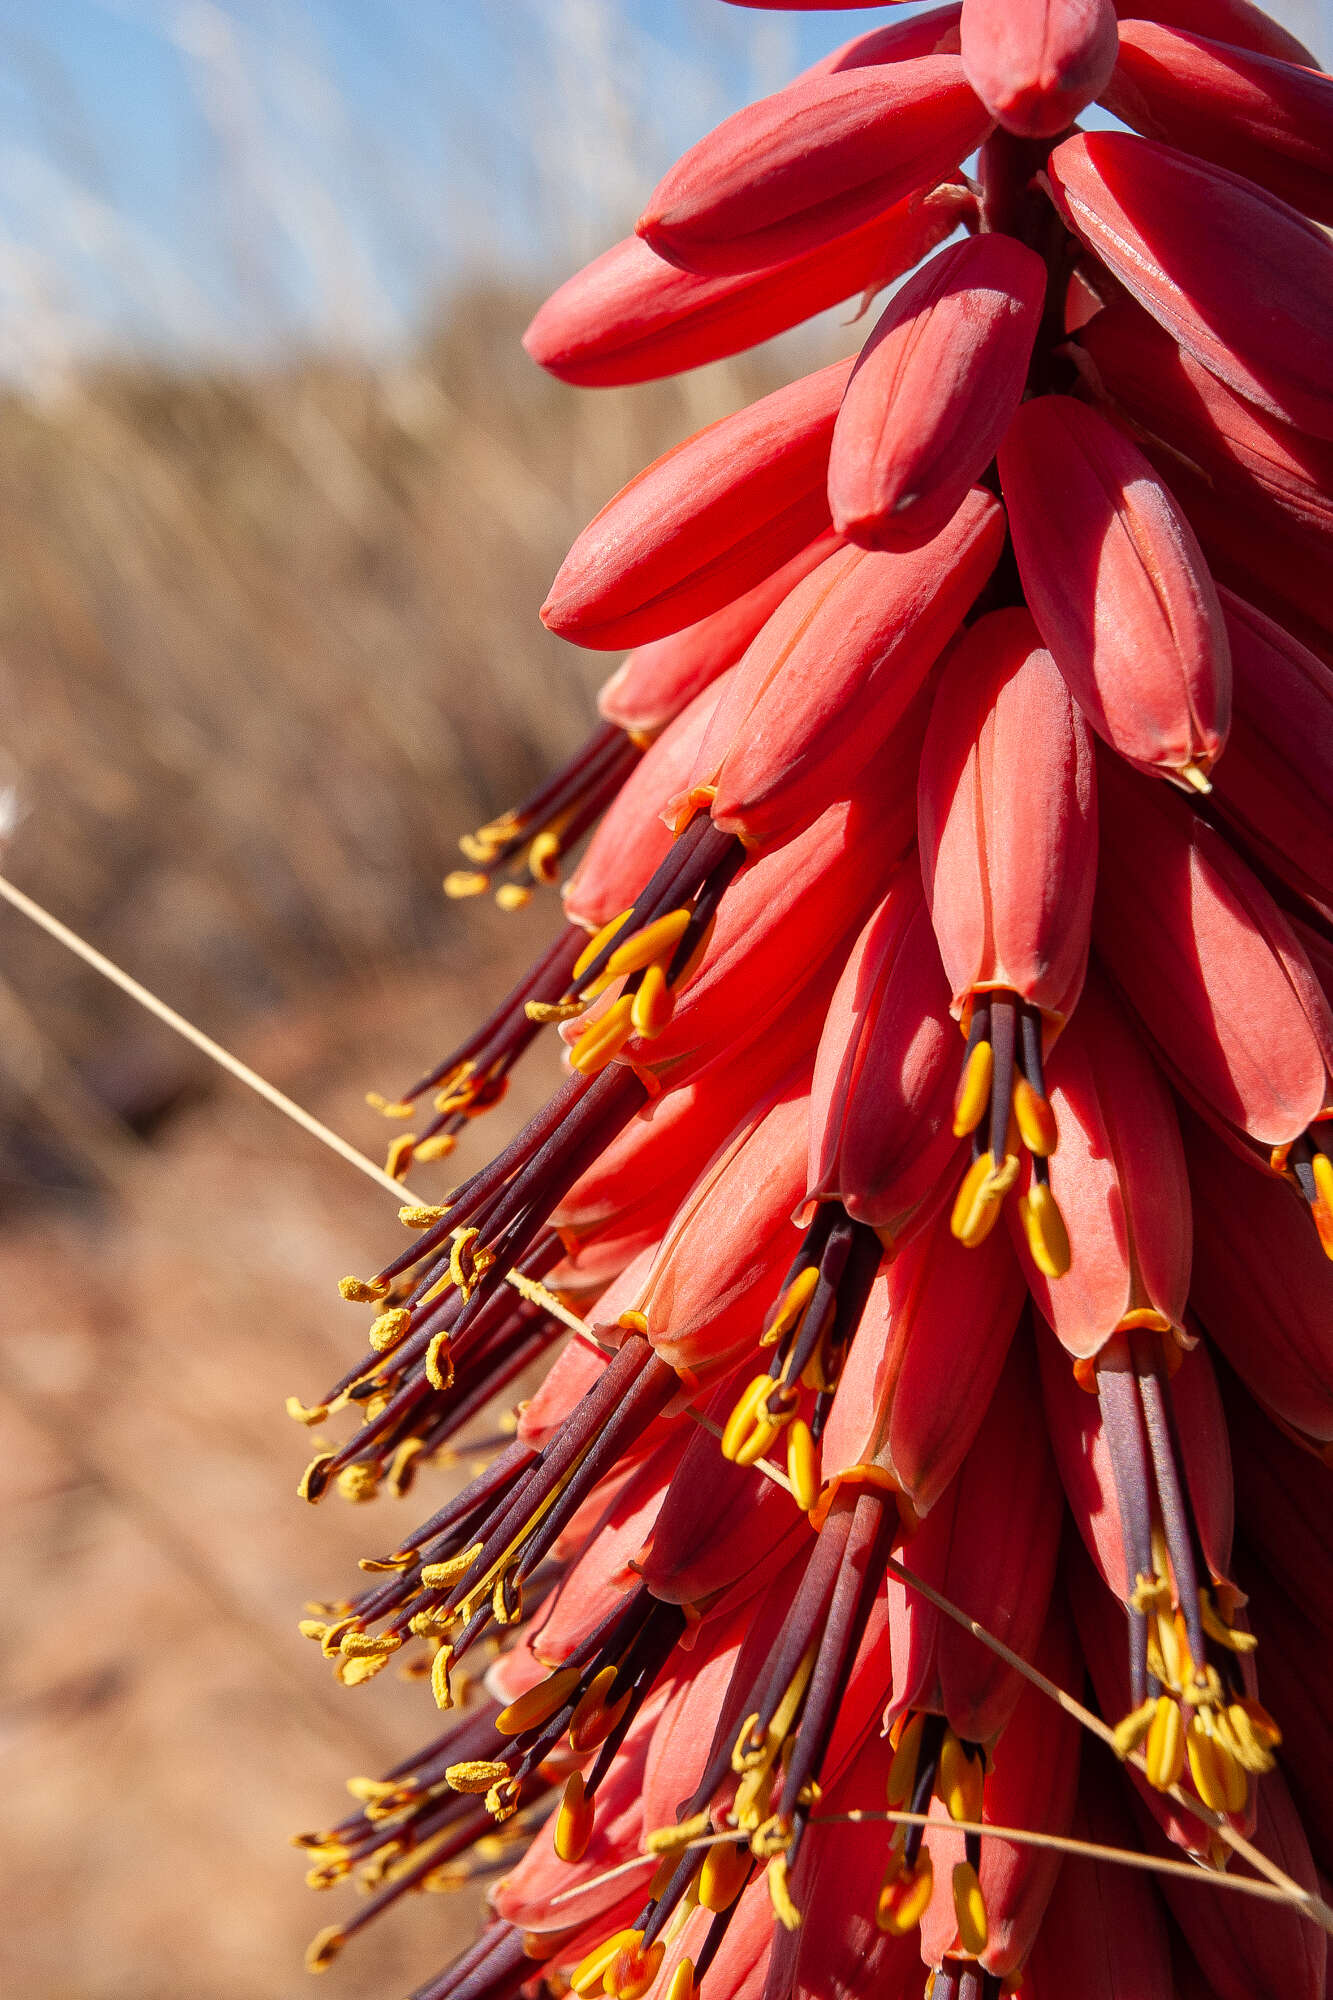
x,y
709,520
933,33
629,316
813,162
1118,586
933,391
1238,278
1265,119
1035,63
1238,22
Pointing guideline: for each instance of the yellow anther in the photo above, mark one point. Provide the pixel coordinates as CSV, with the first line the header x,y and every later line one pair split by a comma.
x,y
442,1575
439,1366
374,1791
365,1645
437,1147
793,1303
722,1875
314,1479
1044,1227
312,1628
740,1427
308,1414
779,1895
513,896
544,1012
1035,1119
389,1107
539,1703
904,1895
1195,777
902,1769
502,1800
803,1465
669,1840
1218,1778
647,947
681,1984
653,1004
633,1970
331,1644
603,1038
1225,1635
323,1949
358,1483
977,1207
364,1291
970,1909
973,1096
398,1159
574,1821
598,942
355,1672
588,1975
439,1677
960,1779
421,1214
1164,1749
477,1775
632,1321
594,1716
544,857
386,1331
462,882
468,1261
1322,1208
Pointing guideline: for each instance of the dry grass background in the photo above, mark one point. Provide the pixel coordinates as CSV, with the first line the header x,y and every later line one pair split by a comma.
x,y
268,644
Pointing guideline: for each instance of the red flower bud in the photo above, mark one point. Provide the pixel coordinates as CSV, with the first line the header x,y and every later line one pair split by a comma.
x,y
1256,116
629,316
660,679
709,520
933,390
833,672
934,33
815,161
1238,22
1201,248
1035,63
1118,586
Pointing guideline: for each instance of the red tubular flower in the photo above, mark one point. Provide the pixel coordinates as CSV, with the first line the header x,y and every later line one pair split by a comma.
x,y
1035,63
1245,453
831,675
629,316
1007,820
933,390
1118,586
708,521
1238,22
1120,1184
1263,1291
937,1315
1197,247
1275,784
1104,1933
795,170
1004,1584
1212,969
659,680
934,33
1252,114
881,1109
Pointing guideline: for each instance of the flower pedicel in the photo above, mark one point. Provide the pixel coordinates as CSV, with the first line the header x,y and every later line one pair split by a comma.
x,y
944,1167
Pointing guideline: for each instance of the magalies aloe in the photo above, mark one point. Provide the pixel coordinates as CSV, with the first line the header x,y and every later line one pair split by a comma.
x,y
850,803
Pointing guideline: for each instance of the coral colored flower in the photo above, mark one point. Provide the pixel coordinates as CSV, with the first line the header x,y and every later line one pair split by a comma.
x,y
812,163
1252,114
881,1112
932,33
1118,587
629,316
1239,22
831,674
1199,248
1120,1185
933,390
658,681
708,521
1035,63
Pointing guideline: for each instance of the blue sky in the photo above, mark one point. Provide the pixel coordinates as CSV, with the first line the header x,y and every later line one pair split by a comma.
x,y
233,175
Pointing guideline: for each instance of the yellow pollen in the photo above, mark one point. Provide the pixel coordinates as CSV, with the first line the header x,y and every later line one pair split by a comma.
x,y
574,1821
722,1875
421,1214
779,1894
460,883
598,942
669,1840
300,1413
310,1486
358,1483
477,1775
513,896
539,1704
970,1909
350,1673
437,1147
1044,1227
439,1677
544,858
363,1291
439,1366
960,1780
1036,1120
398,1158
441,1575
389,1107
973,1090
544,1012
323,1949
